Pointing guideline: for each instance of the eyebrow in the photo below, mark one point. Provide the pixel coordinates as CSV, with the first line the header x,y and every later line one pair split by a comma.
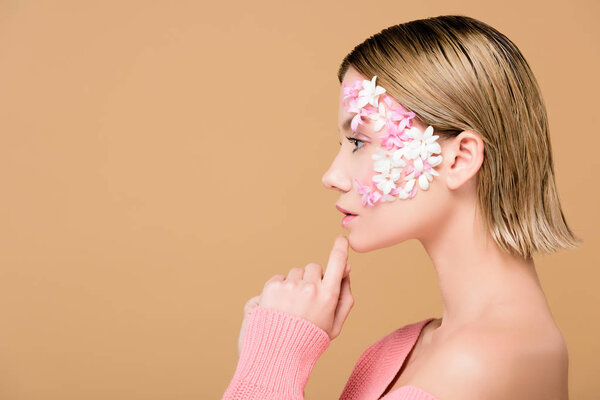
x,y
346,124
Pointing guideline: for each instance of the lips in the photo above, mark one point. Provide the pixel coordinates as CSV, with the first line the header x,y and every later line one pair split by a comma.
x,y
343,210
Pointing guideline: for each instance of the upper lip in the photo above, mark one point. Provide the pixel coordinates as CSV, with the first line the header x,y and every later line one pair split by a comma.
x,y
344,210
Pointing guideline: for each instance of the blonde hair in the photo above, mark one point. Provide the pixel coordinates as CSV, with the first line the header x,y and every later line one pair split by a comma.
x,y
457,73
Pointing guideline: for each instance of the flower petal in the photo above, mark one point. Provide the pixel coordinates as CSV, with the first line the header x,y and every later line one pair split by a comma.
x,y
418,163
434,148
428,132
434,160
423,182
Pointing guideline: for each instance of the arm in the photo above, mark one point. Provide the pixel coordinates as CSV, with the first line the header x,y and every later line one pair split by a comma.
x,y
278,354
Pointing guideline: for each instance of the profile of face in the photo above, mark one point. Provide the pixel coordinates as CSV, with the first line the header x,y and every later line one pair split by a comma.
x,y
384,171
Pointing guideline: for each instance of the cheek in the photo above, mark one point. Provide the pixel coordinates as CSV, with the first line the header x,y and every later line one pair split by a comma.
x,y
364,174
367,173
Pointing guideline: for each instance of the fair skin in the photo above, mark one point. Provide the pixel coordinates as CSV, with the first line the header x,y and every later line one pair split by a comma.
x,y
497,337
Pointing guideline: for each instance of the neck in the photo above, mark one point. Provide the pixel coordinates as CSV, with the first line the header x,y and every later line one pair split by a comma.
x,y
475,276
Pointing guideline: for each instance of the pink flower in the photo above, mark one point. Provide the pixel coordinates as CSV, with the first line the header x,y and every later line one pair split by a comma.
x,y
354,108
374,197
393,137
413,192
369,196
351,91
391,196
409,169
361,112
358,119
401,115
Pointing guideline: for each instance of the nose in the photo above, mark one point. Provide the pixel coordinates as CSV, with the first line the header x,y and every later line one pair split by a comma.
x,y
336,177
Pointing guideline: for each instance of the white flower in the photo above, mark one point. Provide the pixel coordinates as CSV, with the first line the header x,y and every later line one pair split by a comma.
x,y
385,181
403,192
370,93
383,160
380,117
434,160
388,197
387,159
397,160
423,144
426,175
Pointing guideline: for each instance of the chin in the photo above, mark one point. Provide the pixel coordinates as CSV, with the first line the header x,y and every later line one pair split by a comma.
x,y
362,244
365,244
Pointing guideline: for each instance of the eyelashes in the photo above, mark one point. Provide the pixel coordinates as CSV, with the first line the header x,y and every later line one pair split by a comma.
x,y
355,142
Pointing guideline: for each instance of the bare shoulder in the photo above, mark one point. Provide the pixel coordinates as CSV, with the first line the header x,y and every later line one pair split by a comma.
x,y
493,362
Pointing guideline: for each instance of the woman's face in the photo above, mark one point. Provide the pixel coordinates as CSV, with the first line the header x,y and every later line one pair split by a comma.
x,y
385,223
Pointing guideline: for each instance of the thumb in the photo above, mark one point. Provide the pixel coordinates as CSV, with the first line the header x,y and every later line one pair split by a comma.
x,y
345,304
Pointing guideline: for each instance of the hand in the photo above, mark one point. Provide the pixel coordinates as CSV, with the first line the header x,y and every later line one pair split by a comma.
x,y
325,300
337,257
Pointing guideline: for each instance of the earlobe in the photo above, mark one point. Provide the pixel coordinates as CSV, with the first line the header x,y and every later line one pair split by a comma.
x,y
465,154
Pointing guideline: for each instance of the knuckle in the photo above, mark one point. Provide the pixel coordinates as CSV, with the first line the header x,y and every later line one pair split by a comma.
x,y
309,287
274,281
329,297
290,284
314,267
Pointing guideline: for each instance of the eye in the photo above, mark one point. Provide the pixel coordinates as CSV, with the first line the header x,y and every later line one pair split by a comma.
x,y
356,142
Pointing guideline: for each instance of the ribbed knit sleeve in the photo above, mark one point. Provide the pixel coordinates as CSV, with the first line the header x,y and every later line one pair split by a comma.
x,y
279,351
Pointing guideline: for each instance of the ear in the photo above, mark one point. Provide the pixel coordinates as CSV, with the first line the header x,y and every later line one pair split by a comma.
x,y
465,155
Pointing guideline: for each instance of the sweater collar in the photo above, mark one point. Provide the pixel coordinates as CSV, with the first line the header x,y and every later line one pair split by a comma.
x,y
378,364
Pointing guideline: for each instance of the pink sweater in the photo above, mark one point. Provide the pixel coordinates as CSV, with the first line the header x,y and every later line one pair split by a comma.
x,y
280,349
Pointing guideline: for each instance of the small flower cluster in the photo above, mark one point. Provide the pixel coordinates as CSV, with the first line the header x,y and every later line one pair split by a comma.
x,y
406,154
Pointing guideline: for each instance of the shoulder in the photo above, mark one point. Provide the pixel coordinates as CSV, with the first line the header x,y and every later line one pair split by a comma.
x,y
484,363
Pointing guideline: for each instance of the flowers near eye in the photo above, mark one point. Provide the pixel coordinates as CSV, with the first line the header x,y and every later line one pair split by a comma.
x,y
406,156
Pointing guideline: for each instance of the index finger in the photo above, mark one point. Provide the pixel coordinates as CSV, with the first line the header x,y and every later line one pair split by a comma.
x,y
338,257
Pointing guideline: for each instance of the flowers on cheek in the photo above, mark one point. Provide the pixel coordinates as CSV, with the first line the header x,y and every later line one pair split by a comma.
x,y
386,180
406,157
369,196
386,160
394,139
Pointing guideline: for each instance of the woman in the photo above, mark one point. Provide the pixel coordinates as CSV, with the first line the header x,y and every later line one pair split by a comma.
x,y
444,139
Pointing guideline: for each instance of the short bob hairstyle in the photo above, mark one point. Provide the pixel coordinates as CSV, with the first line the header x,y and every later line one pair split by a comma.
x,y
457,73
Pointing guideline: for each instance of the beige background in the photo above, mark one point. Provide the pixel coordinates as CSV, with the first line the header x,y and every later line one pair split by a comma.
x,y
159,161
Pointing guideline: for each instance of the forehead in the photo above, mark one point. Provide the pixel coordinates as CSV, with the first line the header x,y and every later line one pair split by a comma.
x,y
351,75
